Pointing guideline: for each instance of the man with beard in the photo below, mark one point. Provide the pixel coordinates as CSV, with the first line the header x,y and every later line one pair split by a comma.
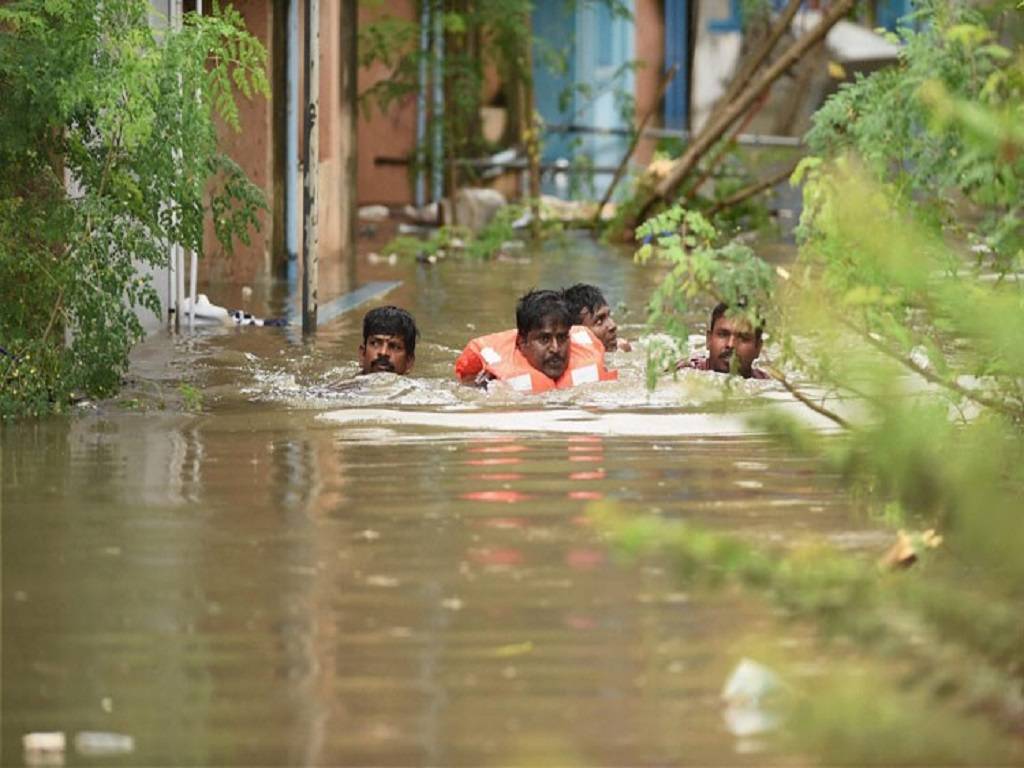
x,y
389,341
588,307
544,351
734,343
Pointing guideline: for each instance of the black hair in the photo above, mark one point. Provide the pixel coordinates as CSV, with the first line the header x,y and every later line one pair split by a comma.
x,y
537,306
722,307
391,321
583,296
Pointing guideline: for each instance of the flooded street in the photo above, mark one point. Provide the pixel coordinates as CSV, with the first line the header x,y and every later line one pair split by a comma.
x,y
320,571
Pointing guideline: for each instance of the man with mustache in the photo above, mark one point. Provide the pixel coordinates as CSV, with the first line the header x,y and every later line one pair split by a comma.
x,y
389,341
545,350
588,306
734,343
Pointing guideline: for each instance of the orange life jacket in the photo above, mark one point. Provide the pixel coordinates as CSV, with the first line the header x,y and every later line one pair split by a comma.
x,y
497,354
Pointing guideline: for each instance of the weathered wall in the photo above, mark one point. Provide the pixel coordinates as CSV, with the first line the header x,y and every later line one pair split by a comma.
x,y
385,135
251,147
254,147
650,52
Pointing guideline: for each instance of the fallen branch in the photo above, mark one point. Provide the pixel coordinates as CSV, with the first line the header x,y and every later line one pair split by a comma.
x,y
749,66
666,78
999,406
716,160
831,415
721,122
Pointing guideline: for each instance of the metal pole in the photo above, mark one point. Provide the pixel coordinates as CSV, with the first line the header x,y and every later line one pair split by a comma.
x,y
421,107
437,166
310,239
291,133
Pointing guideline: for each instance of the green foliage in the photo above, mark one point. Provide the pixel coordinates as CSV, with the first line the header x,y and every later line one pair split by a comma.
x,y
884,303
860,716
478,34
482,38
903,300
851,598
944,127
699,263
191,398
108,153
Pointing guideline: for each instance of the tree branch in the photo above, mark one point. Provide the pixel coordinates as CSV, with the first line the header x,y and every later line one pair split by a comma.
x,y
1000,406
720,123
832,415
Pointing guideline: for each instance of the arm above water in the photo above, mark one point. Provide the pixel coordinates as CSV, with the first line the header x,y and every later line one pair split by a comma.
x,y
469,368
695,362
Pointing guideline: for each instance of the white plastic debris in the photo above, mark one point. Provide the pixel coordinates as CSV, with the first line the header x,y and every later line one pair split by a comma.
x,y
374,212
426,215
43,747
745,694
97,743
207,313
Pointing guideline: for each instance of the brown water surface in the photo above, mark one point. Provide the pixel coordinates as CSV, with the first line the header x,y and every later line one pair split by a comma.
x,y
310,570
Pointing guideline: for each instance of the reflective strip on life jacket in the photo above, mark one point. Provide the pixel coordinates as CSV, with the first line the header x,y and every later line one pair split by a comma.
x,y
498,354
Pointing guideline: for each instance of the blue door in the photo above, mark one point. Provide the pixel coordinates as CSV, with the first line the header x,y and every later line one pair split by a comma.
x,y
594,89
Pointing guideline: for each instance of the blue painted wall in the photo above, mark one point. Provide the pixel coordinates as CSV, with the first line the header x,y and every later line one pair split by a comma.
x,y
677,51
889,12
554,23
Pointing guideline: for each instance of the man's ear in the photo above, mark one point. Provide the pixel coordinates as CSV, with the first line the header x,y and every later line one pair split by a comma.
x,y
584,318
520,341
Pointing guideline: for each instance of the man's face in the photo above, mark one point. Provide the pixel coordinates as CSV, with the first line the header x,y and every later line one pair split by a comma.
x,y
733,337
547,348
601,323
382,352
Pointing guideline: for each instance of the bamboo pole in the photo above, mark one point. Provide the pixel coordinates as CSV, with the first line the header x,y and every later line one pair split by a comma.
x,y
716,160
666,78
310,234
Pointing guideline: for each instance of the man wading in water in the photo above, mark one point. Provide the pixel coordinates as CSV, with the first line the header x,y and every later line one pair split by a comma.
x,y
587,306
545,350
389,341
733,345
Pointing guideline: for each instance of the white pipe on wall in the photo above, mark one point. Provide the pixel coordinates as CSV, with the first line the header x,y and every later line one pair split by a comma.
x,y
193,256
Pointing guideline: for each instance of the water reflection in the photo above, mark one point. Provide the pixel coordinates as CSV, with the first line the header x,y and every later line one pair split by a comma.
x,y
391,571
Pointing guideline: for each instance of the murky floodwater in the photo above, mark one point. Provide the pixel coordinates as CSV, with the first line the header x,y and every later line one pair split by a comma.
x,y
395,571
